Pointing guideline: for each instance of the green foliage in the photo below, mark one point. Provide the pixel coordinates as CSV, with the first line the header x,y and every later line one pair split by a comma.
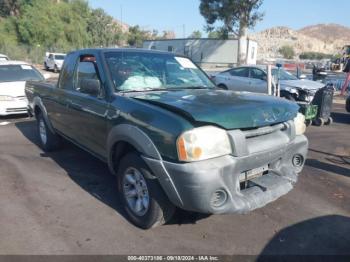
x,y
29,28
236,15
315,56
137,35
196,34
287,52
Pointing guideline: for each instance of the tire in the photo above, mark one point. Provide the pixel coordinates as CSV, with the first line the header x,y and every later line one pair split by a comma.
x,y
49,141
223,87
318,122
347,106
329,121
55,69
308,122
137,184
46,67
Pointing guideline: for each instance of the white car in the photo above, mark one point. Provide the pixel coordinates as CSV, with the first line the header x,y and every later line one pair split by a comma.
x,y
4,57
253,79
54,61
13,76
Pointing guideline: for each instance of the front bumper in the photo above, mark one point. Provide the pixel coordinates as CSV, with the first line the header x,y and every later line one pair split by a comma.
x,y
13,107
191,186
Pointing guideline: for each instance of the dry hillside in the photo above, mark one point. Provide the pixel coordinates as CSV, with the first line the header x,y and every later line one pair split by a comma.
x,y
328,39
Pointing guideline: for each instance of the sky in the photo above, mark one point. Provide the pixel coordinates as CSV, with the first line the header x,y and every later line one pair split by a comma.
x,y
183,17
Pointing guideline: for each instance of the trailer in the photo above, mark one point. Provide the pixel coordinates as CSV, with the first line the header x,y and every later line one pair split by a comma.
x,y
208,52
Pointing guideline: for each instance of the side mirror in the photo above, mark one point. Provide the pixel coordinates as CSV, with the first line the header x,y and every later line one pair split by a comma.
x,y
90,86
46,76
302,76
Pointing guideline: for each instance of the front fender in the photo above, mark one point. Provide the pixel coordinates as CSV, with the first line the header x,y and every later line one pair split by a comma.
x,y
135,137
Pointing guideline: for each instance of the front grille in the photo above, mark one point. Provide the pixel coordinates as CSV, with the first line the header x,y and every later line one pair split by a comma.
x,y
250,141
264,130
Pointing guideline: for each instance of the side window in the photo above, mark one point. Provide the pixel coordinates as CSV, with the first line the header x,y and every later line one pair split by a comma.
x,y
257,74
241,72
66,75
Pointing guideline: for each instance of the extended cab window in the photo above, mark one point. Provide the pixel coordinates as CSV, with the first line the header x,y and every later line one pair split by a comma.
x,y
242,72
66,76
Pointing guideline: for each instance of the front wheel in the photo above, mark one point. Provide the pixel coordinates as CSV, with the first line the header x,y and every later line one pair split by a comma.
x,y
144,201
49,141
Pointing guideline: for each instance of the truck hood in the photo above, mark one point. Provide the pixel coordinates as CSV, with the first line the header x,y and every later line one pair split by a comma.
x,y
227,109
12,88
302,84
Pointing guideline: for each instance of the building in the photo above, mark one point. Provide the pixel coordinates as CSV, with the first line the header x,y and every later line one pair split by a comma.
x,y
206,52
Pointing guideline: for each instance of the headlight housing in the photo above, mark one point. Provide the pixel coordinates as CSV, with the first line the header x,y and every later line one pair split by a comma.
x,y
6,98
203,143
299,122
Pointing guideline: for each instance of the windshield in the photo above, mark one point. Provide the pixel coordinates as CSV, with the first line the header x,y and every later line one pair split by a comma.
x,y
59,57
13,73
283,75
137,71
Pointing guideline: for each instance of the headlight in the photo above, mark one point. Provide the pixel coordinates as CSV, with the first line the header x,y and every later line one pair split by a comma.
x,y
299,123
203,143
6,98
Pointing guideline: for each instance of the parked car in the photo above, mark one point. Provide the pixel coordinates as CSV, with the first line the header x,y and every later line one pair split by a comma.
x,y
172,138
13,75
54,61
3,57
253,79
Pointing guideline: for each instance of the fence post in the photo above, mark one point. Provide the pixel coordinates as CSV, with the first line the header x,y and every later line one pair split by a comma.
x,y
269,79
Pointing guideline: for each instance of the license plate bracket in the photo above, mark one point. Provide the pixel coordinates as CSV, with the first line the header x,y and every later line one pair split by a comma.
x,y
252,173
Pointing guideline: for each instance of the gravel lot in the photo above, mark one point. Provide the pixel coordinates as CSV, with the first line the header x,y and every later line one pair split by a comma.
x,y
66,203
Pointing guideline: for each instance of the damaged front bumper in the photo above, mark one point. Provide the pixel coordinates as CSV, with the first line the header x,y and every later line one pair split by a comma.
x,y
215,186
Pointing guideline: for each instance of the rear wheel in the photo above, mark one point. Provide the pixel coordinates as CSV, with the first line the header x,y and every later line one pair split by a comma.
x,y
49,141
46,67
144,201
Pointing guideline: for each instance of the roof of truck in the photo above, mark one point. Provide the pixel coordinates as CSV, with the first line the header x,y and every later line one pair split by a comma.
x,y
140,50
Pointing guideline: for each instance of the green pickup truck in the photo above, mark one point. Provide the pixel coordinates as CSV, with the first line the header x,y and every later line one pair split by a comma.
x,y
172,138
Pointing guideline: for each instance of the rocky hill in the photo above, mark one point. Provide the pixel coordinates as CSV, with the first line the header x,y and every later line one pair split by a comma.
x,y
328,39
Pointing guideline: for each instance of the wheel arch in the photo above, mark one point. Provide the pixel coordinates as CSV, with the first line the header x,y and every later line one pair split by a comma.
x,y
38,107
125,138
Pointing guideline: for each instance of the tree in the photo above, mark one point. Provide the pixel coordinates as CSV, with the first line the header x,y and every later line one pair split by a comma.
x,y
237,17
103,31
287,52
196,34
137,35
